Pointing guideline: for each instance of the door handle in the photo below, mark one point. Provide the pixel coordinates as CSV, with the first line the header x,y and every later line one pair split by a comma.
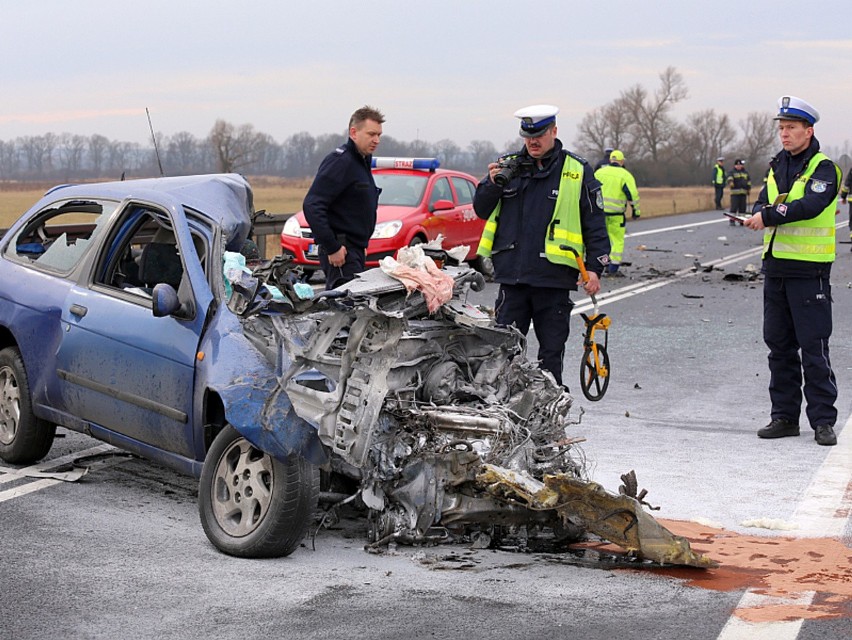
x,y
78,310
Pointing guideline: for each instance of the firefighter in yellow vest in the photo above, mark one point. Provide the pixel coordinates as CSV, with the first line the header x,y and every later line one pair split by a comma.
x,y
795,211
618,188
541,202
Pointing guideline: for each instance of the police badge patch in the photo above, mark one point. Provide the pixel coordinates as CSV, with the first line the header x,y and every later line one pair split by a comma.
x,y
818,186
782,209
599,200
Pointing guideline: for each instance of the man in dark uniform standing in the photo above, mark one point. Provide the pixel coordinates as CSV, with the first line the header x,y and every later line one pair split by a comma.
x,y
340,206
739,184
544,204
795,210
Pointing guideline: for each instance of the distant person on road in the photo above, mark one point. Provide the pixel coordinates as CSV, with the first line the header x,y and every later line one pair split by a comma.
x,y
739,186
718,181
605,160
541,203
341,204
795,211
618,187
844,196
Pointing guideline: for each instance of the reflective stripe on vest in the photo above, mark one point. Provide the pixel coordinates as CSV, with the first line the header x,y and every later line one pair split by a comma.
x,y
564,227
613,179
808,240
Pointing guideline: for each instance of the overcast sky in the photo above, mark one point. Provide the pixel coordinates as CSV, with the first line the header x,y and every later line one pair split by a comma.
x,y
439,69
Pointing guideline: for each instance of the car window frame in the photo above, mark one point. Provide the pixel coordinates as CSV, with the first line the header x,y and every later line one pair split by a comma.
x,y
35,223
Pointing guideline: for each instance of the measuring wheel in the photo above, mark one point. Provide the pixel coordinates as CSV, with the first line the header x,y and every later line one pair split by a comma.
x,y
594,375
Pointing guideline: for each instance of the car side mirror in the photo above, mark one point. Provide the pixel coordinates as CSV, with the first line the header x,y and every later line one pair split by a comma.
x,y
164,300
442,205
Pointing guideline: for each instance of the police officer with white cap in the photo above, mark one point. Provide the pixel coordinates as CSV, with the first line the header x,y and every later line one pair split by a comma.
x,y
795,210
541,203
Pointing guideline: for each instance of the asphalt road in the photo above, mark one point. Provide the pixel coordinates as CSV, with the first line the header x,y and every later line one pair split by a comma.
x,y
121,553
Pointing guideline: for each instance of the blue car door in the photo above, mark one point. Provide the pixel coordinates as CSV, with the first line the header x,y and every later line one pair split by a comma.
x,y
122,369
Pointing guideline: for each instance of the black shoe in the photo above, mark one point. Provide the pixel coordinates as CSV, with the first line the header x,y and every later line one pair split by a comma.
x,y
824,435
779,429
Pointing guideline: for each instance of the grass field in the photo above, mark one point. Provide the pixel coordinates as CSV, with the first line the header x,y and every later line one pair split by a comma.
x,y
278,196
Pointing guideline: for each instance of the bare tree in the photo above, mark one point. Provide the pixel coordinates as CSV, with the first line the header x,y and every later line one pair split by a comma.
x,y
482,153
183,153
759,136
299,155
650,114
38,152
71,149
448,152
9,166
593,132
235,148
98,146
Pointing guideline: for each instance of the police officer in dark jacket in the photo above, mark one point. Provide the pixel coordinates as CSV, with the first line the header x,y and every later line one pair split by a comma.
x,y
795,210
340,206
545,203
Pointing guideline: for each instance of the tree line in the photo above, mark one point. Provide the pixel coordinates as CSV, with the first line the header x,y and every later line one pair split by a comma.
x,y
660,151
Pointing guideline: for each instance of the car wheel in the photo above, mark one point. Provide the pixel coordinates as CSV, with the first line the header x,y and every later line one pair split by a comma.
x,y
252,505
24,438
416,240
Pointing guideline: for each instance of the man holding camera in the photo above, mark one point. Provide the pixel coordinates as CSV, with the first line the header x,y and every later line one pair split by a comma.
x,y
542,204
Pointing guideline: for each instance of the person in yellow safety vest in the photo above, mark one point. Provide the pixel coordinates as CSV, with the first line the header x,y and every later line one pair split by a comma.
x,y
718,181
795,211
618,190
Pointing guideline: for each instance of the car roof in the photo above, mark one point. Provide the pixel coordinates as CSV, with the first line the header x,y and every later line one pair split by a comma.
x,y
226,199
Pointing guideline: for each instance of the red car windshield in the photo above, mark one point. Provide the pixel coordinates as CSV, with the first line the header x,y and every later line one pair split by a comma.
x,y
404,190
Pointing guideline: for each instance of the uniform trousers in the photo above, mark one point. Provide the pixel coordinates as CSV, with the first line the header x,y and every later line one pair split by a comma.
x,y
796,327
335,276
549,310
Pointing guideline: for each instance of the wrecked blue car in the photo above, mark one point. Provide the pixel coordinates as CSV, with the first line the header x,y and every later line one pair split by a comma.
x,y
118,319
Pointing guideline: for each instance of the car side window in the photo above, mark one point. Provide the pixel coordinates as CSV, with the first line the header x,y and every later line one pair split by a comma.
x,y
464,190
440,191
143,252
57,237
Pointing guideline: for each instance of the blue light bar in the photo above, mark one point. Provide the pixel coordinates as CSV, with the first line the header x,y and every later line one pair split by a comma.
x,y
426,164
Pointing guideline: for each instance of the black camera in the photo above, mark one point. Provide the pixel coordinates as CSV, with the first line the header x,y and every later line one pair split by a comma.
x,y
510,167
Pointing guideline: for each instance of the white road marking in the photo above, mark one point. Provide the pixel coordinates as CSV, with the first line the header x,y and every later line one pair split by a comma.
x,y
30,487
822,512
824,508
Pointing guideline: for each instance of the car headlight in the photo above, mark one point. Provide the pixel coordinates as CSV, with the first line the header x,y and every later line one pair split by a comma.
x,y
292,228
387,229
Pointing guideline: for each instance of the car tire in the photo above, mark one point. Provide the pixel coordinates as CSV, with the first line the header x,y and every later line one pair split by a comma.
x,y
24,438
251,504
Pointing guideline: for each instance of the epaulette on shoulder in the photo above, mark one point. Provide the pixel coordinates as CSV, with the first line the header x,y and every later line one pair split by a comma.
x,y
340,150
576,156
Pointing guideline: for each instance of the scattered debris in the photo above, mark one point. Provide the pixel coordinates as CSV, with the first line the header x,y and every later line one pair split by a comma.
x,y
692,295
775,524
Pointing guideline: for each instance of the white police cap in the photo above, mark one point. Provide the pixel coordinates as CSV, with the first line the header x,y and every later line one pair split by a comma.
x,y
536,119
793,108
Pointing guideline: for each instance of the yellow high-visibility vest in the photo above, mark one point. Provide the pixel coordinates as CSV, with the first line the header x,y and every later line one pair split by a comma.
x,y
564,228
808,240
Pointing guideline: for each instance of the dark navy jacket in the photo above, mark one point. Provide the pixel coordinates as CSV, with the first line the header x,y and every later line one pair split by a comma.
x,y
787,168
526,212
340,206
